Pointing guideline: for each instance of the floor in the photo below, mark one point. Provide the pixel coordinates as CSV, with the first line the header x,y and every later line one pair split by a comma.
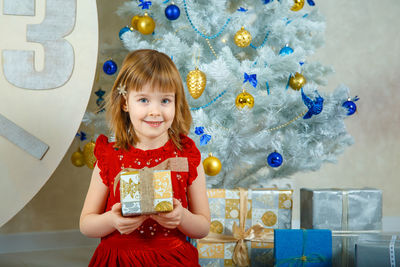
x,y
46,249
75,257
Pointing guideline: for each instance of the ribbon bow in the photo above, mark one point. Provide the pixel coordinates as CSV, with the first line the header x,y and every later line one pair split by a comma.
x,y
252,79
204,138
145,4
81,135
255,233
311,2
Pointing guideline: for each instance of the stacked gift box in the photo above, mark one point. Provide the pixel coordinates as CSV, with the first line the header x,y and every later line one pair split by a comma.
x,y
339,227
349,213
267,209
252,227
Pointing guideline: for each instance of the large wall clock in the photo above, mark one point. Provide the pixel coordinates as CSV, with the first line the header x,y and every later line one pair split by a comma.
x,y
48,63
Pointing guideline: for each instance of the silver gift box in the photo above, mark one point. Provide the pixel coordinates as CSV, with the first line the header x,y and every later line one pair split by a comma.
x,y
379,250
343,247
341,209
349,213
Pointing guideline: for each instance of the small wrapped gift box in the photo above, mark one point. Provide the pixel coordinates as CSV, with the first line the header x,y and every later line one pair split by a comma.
x,y
379,250
148,190
139,197
349,213
300,247
241,215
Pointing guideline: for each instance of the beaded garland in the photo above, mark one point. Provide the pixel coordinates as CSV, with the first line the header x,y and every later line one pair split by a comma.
x,y
199,32
212,101
262,44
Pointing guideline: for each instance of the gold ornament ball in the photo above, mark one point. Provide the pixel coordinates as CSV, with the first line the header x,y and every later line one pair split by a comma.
x,y
242,38
77,158
297,81
134,21
196,82
244,99
88,154
298,4
212,165
146,25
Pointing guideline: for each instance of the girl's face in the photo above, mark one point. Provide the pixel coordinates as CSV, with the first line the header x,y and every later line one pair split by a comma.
x,y
151,113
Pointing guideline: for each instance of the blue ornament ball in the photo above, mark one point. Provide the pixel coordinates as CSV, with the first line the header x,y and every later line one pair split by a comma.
x,y
172,12
351,107
110,67
123,30
286,50
275,159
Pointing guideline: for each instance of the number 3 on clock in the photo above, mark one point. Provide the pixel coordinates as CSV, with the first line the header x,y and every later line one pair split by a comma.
x,y
59,21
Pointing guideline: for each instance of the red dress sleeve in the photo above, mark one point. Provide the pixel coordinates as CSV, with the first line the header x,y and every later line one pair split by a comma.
x,y
101,154
193,155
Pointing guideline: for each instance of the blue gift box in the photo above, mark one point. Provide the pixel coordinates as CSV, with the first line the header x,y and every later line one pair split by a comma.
x,y
298,247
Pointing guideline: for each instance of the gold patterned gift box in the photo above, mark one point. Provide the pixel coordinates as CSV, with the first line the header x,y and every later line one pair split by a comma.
x,y
146,192
267,208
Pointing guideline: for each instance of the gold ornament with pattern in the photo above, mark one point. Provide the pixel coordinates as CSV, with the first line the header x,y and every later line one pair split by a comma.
x,y
134,22
298,4
212,165
269,218
77,158
164,206
216,227
146,24
297,81
244,99
88,154
242,38
196,82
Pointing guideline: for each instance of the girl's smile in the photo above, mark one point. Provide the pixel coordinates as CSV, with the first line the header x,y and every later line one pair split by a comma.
x,y
154,123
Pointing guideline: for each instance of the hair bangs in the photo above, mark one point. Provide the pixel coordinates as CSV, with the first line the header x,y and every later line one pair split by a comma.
x,y
156,70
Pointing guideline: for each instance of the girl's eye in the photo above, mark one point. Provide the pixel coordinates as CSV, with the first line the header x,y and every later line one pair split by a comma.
x,y
165,101
143,100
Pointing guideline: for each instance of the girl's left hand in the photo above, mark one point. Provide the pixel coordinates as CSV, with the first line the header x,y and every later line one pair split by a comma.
x,y
172,219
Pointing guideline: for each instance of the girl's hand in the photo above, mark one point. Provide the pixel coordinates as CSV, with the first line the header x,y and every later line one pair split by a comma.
x,y
172,219
125,225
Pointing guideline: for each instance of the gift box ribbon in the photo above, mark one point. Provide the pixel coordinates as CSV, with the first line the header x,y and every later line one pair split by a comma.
x,y
303,259
240,235
345,233
178,164
391,251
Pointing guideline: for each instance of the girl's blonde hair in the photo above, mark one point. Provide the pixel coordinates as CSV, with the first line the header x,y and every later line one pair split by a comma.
x,y
139,68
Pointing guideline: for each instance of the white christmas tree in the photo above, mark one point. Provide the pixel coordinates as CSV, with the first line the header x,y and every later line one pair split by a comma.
x,y
262,104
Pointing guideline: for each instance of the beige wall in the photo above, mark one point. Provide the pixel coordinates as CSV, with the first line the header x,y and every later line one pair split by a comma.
x,y
362,44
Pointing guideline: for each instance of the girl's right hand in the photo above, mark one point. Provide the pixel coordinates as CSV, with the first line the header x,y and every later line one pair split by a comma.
x,y
125,225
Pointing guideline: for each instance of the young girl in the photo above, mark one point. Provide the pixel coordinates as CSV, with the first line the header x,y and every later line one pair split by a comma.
x,y
150,118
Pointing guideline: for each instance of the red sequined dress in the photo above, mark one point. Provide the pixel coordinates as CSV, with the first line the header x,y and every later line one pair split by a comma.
x,y
150,244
